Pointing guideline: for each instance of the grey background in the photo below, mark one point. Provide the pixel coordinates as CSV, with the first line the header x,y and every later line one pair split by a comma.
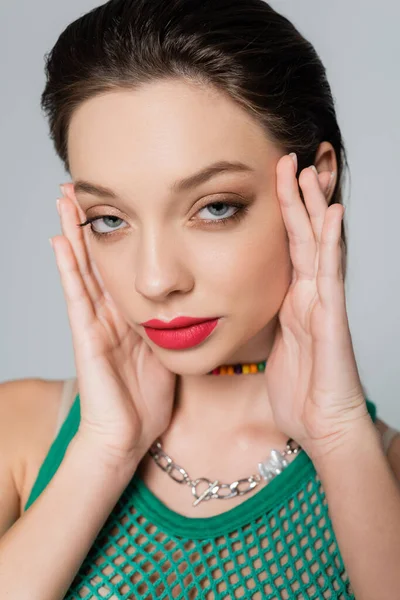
x,y
358,43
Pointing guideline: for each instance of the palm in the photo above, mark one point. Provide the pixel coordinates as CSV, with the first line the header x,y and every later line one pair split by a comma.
x,y
119,364
289,367
311,372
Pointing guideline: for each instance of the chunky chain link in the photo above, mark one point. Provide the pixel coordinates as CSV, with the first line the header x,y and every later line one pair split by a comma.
x,y
268,469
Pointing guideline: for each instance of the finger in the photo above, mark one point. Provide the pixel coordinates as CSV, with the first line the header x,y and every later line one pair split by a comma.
x,y
102,299
315,198
81,311
69,191
303,246
330,280
71,214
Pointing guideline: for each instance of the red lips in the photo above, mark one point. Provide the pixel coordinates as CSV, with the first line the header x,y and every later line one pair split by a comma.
x,y
180,338
176,323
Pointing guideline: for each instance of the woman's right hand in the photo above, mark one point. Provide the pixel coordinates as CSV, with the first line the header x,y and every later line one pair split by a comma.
x,y
126,394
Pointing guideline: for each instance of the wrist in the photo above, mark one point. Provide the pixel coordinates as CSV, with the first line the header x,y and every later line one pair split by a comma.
x,y
102,458
357,439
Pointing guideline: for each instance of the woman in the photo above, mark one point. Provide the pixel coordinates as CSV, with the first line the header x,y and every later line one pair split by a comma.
x,y
205,246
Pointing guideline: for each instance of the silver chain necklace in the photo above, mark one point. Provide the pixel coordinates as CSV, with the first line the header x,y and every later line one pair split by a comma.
x,y
267,470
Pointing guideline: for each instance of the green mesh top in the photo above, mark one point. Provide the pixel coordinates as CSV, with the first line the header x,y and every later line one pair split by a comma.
x,y
277,544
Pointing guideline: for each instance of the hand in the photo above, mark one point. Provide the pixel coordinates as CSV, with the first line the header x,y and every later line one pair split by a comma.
x,y
311,374
126,394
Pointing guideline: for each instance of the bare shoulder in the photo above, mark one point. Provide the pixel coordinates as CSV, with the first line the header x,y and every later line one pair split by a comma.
x,y
393,451
28,417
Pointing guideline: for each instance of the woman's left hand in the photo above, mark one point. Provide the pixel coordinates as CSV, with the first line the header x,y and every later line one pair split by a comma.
x,y
311,374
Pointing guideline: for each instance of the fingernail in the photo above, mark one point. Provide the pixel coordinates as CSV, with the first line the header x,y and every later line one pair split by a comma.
x,y
58,206
51,243
294,158
62,189
314,169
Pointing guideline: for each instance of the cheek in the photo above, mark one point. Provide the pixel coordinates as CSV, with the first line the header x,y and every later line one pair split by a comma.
x,y
253,270
114,273
269,279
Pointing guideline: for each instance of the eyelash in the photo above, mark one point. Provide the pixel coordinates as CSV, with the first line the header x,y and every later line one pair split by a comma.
x,y
237,216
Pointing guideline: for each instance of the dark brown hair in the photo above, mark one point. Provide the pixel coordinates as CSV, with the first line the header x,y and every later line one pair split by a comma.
x,y
244,48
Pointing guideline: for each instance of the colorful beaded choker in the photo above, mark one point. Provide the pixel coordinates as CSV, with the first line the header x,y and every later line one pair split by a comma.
x,y
245,368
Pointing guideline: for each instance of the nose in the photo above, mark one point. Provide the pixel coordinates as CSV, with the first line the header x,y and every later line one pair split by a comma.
x,y
161,268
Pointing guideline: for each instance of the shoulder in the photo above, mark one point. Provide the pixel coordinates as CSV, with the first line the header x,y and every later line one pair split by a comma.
x,y
393,449
28,417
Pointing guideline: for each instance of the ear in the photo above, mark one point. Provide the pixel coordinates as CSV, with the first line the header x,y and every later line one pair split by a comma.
x,y
326,182
325,162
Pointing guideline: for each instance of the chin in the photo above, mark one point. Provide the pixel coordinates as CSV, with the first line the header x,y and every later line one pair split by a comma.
x,y
190,362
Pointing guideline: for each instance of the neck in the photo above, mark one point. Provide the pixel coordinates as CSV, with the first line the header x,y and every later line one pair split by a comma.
x,y
227,401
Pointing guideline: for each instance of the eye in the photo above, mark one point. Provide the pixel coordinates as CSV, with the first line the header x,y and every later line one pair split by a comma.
x,y
101,232
239,210
220,209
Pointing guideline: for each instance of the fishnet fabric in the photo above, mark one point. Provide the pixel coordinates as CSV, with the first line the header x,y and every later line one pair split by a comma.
x,y
277,545
291,552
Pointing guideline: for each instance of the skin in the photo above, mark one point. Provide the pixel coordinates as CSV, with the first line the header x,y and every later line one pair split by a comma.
x,y
163,260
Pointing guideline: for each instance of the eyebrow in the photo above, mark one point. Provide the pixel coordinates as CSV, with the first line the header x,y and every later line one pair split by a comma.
x,y
181,185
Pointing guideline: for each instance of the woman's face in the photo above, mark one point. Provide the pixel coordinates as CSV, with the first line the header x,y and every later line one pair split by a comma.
x,y
163,249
